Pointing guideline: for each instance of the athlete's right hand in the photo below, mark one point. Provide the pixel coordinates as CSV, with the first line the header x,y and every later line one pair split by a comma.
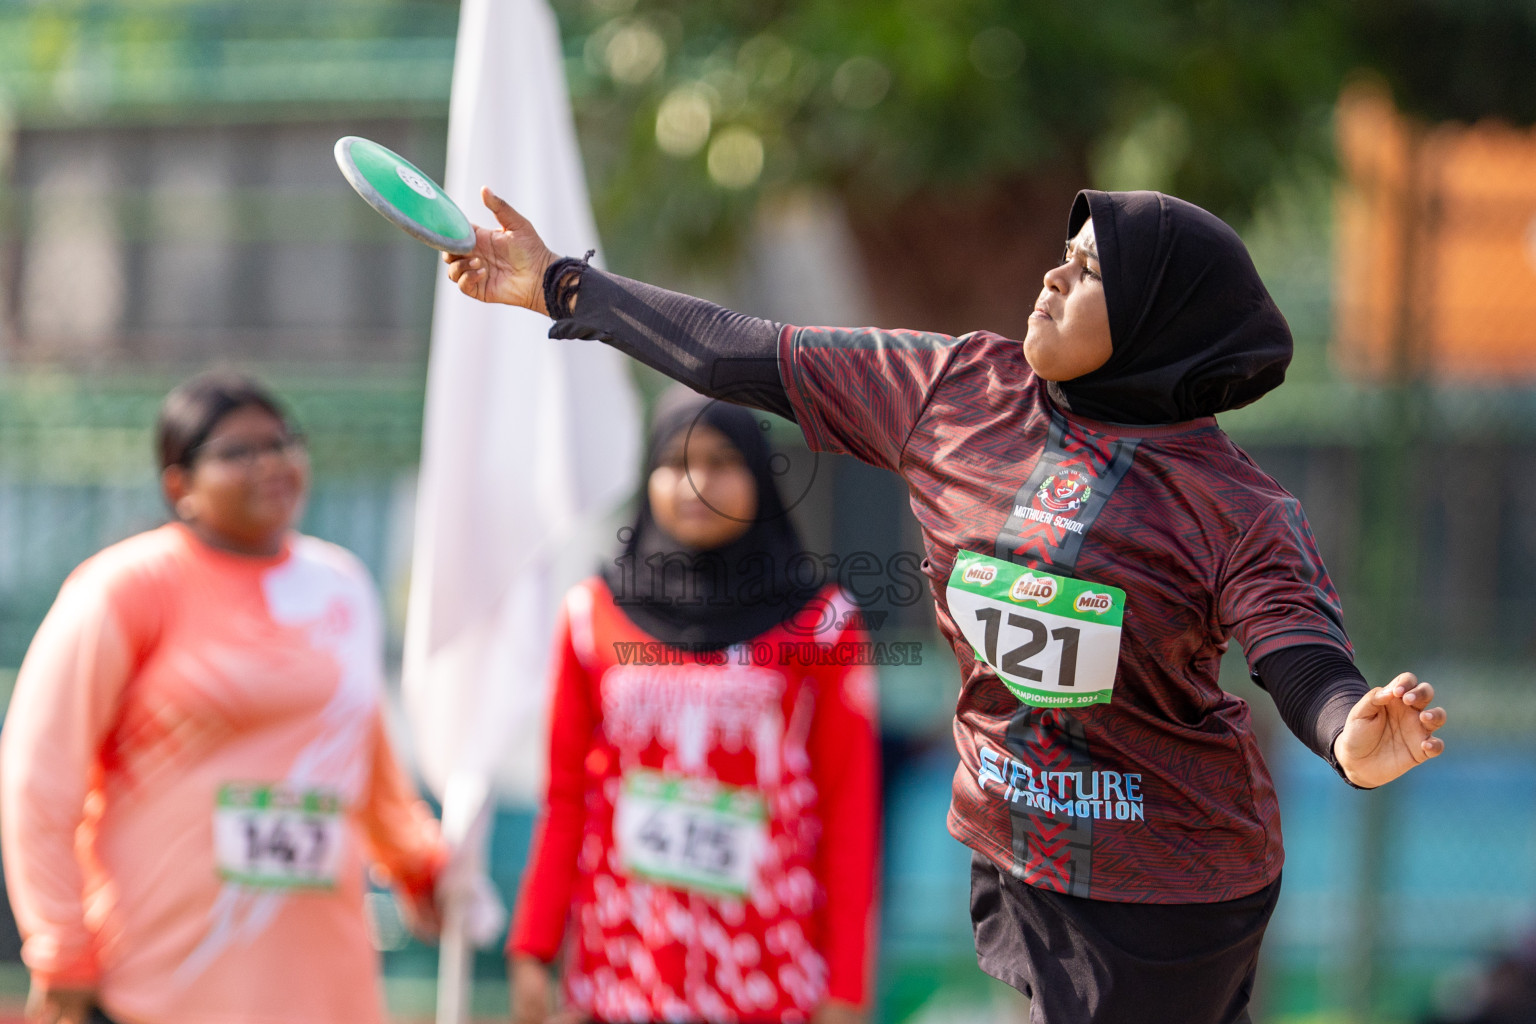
x,y
60,1005
508,263
532,1000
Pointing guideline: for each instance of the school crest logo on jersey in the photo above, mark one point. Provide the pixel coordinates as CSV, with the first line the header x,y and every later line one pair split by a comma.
x,y
1064,492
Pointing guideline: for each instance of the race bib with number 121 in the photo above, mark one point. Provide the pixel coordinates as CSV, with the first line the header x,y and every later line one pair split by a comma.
x,y
1054,641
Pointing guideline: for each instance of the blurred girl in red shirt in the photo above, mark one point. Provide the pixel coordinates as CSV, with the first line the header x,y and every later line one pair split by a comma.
x,y
708,848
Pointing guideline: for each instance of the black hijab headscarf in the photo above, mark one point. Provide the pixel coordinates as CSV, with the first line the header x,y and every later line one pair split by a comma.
x,y
709,600
1194,330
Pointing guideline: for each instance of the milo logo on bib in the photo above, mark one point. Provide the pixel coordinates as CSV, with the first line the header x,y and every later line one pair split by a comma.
x,y
1029,587
980,574
1052,640
1088,601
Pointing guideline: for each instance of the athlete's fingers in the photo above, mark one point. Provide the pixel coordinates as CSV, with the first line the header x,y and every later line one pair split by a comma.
x,y
505,215
1434,746
1380,695
472,283
1403,683
1432,719
1399,689
466,268
1369,704
473,286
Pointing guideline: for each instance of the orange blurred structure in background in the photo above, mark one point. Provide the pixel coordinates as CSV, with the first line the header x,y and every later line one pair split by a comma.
x,y
1459,203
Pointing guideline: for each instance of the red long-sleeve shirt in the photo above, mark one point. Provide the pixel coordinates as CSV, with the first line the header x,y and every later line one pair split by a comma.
x,y
709,845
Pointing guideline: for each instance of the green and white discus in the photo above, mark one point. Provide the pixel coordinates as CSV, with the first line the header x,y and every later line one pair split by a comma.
x,y
405,197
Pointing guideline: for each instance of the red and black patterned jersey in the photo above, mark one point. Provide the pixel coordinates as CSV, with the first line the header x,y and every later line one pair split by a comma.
x,y
1159,795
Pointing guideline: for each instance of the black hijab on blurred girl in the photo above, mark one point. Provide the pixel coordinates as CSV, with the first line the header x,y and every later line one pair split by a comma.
x,y
709,600
1194,330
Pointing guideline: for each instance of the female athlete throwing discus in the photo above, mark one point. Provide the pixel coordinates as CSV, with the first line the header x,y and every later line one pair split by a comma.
x,y
1094,541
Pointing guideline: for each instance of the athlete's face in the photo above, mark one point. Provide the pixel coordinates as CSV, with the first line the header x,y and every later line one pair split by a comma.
x,y
702,493
1068,333
246,484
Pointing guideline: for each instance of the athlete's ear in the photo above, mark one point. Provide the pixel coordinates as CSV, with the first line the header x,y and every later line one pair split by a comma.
x,y
175,483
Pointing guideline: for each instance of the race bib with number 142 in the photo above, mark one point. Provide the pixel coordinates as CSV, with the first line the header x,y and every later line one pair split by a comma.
x,y
1054,641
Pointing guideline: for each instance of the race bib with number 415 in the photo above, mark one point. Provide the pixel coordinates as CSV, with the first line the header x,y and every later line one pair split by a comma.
x,y
1053,641
690,833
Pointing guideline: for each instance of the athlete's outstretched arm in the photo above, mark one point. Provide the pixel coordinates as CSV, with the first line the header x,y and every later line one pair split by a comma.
x,y
713,350
1275,597
1370,736
1314,686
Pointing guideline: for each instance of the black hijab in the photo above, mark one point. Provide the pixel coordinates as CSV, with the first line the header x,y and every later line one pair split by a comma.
x,y
709,600
1194,330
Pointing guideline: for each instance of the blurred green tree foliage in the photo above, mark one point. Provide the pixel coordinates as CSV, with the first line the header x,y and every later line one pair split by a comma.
x,y
694,107
1452,60
956,131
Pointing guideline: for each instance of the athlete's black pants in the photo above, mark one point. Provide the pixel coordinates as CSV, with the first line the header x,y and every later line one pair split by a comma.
x,y
1094,962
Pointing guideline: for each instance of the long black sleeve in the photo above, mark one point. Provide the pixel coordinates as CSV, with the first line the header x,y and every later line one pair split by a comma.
x,y
1314,686
725,355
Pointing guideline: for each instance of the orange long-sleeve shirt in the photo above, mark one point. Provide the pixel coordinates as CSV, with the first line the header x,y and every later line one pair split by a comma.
x,y
176,691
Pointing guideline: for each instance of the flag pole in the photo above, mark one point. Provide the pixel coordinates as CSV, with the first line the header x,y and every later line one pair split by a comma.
x,y
466,827
527,443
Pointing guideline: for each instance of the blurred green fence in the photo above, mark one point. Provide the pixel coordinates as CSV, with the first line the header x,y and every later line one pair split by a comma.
x,y
95,58
77,472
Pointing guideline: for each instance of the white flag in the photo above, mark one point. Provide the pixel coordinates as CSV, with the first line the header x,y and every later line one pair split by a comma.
x,y
528,442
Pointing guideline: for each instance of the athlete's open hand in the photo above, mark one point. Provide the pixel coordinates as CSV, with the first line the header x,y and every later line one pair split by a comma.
x,y
508,263
1389,731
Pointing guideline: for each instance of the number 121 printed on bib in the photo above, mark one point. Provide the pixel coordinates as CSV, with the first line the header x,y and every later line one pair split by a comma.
x,y
1054,641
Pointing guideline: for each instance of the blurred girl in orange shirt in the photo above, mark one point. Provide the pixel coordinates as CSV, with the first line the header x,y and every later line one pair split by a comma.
x,y
194,769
